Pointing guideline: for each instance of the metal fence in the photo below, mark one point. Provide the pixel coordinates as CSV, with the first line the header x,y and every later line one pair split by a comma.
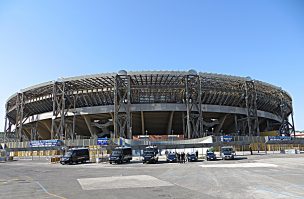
x,y
169,141
241,140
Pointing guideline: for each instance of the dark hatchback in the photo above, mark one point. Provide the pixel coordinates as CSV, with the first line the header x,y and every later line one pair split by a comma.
x,y
171,157
191,157
210,156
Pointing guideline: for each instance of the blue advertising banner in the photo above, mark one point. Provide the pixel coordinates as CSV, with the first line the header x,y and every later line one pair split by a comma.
x,y
278,138
227,138
45,143
102,141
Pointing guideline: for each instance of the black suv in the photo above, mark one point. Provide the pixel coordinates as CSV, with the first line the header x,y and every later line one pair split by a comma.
x,y
75,155
120,155
150,155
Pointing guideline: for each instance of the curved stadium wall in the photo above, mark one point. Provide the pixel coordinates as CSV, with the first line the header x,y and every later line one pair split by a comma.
x,y
129,104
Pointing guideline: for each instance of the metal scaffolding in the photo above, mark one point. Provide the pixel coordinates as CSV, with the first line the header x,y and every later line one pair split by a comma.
x,y
20,116
63,103
251,105
286,128
193,101
122,102
182,93
58,123
8,126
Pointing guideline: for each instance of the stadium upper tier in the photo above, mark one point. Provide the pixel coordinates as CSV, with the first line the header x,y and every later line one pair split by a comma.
x,y
148,102
151,87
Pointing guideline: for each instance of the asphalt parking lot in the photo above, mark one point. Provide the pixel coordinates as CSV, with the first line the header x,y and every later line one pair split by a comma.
x,y
256,176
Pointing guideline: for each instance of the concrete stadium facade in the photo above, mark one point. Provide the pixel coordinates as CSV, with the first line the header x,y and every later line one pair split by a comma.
x,y
126,104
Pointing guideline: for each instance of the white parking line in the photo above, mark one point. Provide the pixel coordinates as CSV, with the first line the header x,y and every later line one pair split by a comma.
x,y
239,165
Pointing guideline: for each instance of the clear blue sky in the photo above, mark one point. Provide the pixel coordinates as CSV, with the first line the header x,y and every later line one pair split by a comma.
x,y
44,40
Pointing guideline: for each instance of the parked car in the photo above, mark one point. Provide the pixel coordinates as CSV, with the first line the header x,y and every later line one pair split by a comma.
x,y
75,155
191,157
120,155
171,157
210,156
227,152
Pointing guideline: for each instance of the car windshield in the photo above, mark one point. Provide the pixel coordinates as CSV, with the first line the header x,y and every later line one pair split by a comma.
x,y
116,153
210,153
148,152
192,155
227,150
68,154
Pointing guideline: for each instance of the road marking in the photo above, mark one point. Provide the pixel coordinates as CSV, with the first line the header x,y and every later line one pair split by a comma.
x,y
44,189
239,165
274,193
120,182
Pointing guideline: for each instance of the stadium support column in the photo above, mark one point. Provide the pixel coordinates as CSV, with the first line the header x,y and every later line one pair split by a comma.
x,y
142,122
293,126
88,122
7,125
19,115
122,102
218,128
236,126
58,123
193,100
184,126
251,105
169,128
286,127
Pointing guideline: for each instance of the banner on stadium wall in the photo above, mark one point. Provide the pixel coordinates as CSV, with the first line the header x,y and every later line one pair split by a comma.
x,y
278,138
269,133
158,137
45,143
102,141
226,138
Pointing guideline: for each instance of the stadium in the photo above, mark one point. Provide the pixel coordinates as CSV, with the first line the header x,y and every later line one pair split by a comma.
x,y
187,104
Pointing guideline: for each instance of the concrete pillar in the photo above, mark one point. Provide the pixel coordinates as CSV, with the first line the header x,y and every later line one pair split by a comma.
x,y
267,125
87,120
47,125
236,124
27,133
219,127
142,123
184,127
170,123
